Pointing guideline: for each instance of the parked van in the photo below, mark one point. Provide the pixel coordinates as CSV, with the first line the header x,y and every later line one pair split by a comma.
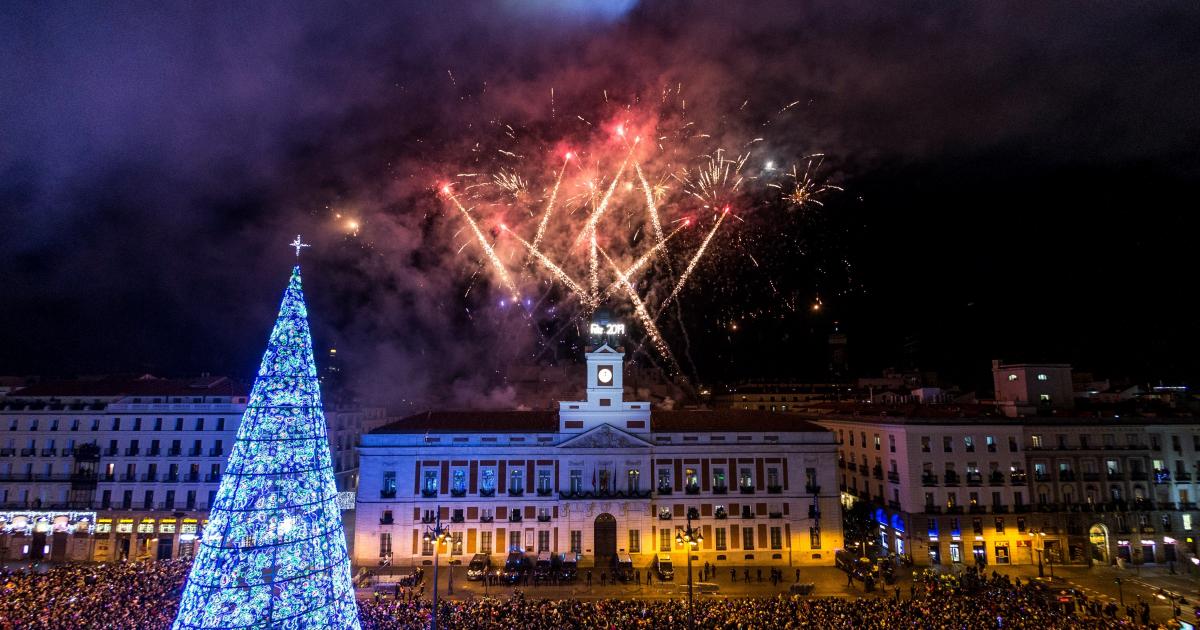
x,y
664,567
623,567
480,564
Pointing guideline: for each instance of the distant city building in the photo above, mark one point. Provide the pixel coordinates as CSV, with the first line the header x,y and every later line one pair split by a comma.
x,y
1025,388
113,468
601,477
960,484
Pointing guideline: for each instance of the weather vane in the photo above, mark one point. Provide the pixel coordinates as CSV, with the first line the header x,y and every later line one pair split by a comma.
x,y
298,244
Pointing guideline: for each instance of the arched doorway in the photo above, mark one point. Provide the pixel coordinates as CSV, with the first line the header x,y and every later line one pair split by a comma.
x,y
605,537
1098,536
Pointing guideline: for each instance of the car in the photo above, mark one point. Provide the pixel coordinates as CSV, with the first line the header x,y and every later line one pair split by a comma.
x,y
479,566
623,567
664,567
516,565
568,567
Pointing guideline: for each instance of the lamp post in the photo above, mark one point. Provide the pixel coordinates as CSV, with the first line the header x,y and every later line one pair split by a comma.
x,y
1036,537
436,535
689,537
1120,590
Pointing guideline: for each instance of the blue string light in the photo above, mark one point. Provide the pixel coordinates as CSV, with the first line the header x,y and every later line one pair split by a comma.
x,y
273,554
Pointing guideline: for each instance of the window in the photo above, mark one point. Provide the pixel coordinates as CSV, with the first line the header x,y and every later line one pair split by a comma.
x,y
158,424
664,540
1012,377
516,478
664,479
1187,521
773,478
543,540
137,424
485,541
924,443
748,538
948,444
430,483
604,475
999,525
635,543
720,542
1012,444
719,480
426,547
385,545
1042,377
458,481
116,424
777,538
892,443
634,477
691,479
220,424
877,442
969,443
814,537
199,424
544,481
745,479
1036,441
576,481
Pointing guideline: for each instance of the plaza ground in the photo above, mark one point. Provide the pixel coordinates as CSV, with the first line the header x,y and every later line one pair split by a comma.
x,y
1097,583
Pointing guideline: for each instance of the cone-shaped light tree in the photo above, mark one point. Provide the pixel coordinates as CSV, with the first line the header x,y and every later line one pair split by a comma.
x,y
274,553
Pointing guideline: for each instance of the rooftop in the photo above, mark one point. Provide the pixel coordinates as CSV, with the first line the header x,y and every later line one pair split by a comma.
x,y
661,421
123,386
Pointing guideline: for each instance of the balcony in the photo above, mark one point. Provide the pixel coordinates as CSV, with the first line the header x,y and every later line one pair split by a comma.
x,y
128,477
895,505
386,520
1115,475
746,513
48,452
746,489
132,451
977,509
216,452
893,476
211,478
192,477
664,490
28,452
428,518
487,492
1047,507
774,514
110,452
929,479
999,509
174,452
458,492
996,478
1162,476
171,478
814,512
516,492
545,492
514,517
486,518
150,477
194,452
720,514
812,489
1187,505
852,467
1066,475
877,472
7,452
951,478
1021,508
933,509
154,452
664,516
1091,476
721,489
841,463
543,518
429,493
1041,476
691,489
1137,475
1182,476
774,489
954,509
458,518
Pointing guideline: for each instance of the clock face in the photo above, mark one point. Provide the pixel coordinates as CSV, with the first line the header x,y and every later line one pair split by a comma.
x,y
605,375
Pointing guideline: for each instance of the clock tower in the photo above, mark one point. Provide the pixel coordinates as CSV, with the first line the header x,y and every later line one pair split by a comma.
x,y
605,403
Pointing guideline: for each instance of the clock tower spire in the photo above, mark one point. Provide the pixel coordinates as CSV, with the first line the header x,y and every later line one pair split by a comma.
x,y
605,403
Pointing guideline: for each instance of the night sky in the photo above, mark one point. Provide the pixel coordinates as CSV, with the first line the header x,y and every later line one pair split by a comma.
x,y
1020,182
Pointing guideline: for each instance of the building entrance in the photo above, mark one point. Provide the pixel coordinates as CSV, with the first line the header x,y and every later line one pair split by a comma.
x,y
605,537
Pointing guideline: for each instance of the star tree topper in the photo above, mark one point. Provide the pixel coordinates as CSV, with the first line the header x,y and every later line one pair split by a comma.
x,y
298,244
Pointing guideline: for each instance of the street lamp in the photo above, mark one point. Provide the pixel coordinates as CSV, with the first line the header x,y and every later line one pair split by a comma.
x,y
1120,590
436,535
691,537
1037,536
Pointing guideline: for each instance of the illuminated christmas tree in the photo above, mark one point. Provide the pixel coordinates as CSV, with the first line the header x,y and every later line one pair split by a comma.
x,y
274,554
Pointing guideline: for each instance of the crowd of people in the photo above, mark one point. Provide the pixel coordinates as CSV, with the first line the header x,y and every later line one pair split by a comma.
x,y
121,596
144,596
